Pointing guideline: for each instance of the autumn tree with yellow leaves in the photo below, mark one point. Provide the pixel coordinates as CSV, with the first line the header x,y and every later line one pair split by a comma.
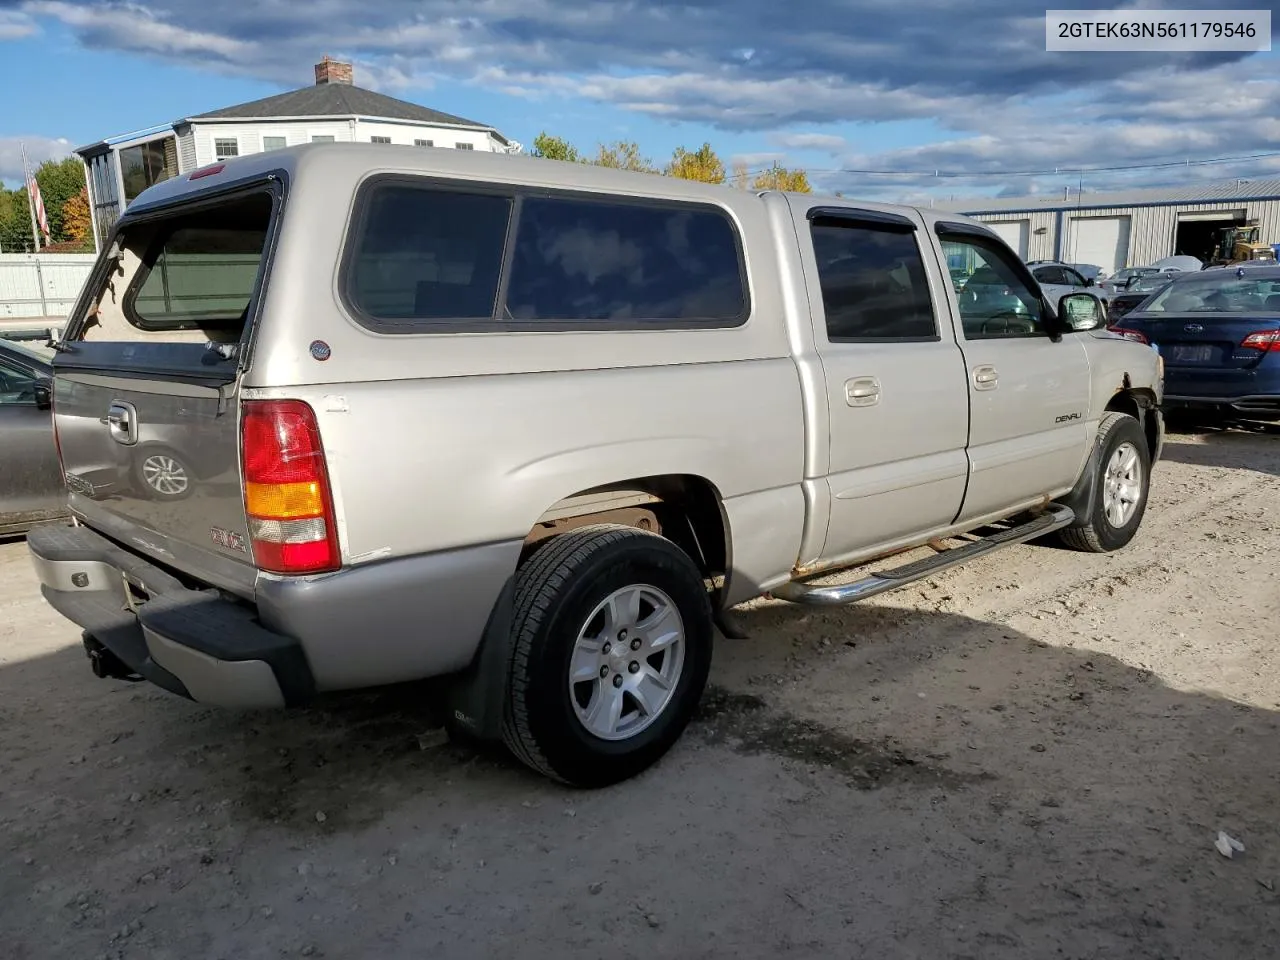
x,y
701,164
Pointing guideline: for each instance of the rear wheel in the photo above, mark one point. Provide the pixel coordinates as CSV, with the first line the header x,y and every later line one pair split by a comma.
x,y
1122,484
612,649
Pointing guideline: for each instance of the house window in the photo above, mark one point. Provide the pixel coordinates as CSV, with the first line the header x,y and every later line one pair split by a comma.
x,y
226,149
274,143
465,146
322,138
146,164
379,139
424,143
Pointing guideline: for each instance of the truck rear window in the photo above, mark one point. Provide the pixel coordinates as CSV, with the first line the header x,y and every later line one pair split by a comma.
x,y
191,275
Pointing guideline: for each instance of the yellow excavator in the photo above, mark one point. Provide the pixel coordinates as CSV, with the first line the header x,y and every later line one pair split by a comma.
x,y
1239,244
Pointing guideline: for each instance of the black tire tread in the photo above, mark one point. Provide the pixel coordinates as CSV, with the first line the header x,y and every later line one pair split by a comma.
x,y
538,582
1084,537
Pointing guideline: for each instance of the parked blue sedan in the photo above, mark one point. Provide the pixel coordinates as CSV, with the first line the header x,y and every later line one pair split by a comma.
x,y
1219,333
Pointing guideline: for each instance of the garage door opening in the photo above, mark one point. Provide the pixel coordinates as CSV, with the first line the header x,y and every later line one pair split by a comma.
x,y
1197,234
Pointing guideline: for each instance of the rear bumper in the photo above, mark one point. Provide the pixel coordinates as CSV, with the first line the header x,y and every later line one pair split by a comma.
x,y
1254,407
190,642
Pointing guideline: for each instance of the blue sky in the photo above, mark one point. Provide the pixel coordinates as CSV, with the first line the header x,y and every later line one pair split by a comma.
x,y
826,84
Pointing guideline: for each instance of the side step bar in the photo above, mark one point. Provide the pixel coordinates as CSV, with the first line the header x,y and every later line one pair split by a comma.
x,y
799,591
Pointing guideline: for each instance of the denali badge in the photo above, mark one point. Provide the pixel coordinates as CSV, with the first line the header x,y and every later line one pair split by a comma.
x,y
227,538
1067,416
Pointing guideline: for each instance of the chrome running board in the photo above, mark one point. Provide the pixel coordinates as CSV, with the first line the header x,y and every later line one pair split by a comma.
x,y
799,591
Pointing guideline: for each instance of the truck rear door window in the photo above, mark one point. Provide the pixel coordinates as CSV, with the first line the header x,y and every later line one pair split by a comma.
x,y
629,264
874,286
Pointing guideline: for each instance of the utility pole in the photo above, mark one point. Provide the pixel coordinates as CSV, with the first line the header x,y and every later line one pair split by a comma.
x,y
28,179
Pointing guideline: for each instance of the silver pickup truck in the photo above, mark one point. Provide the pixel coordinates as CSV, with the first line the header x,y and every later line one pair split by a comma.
x,y
341,416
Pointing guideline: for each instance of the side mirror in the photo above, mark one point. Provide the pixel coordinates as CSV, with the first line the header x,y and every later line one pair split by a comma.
x,y
43,390
1081,311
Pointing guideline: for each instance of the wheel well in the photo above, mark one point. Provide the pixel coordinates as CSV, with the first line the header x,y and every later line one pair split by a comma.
x,y
1136,403
684,508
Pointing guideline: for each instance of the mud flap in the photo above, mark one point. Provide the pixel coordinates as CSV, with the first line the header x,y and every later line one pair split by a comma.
x,y
474,700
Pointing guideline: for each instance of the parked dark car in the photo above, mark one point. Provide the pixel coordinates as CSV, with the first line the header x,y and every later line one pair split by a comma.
x,y
1219,334
1136,293
31,489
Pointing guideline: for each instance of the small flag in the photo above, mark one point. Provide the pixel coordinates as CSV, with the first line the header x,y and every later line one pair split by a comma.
x,y
41,218
37,201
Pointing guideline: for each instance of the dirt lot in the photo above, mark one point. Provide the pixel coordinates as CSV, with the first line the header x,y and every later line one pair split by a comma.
x,y
1028,757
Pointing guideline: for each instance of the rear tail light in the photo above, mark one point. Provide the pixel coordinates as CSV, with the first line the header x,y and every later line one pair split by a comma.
x,y
1130,334
287,498
1264,340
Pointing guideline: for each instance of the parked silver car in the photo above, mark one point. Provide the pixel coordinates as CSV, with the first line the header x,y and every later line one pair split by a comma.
x,y
1059,279
31,489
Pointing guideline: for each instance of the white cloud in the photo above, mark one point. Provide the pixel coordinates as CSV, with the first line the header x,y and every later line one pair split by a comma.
x,y
39,149
979,71
14,25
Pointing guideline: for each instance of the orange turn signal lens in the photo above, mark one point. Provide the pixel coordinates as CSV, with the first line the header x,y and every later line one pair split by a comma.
x,y
283,501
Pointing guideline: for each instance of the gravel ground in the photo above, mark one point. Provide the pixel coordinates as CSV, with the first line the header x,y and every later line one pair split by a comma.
x,y
1028,757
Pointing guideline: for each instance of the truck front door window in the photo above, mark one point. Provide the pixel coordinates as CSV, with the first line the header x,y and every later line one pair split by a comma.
x,y
993,299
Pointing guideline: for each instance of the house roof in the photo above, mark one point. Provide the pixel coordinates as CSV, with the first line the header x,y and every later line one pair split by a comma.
x,y
339,100
1223,191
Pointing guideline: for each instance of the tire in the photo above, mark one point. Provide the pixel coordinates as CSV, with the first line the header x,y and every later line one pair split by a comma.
x,y
162,475
577,593
1124,467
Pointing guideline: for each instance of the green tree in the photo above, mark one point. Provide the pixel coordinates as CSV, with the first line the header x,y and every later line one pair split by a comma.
x,y
555,148
15,221
701,164
780,178
623,155
59,180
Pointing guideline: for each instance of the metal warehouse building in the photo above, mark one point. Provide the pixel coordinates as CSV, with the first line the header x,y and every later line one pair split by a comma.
x,y
1130,228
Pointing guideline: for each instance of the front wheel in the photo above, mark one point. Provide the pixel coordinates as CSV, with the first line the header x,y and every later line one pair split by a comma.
x,y
611,653
1122,483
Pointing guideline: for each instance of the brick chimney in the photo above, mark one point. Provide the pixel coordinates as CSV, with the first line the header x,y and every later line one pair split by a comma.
x,y
333,71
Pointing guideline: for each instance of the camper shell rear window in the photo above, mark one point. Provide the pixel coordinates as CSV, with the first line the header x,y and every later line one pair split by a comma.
x,y
187,274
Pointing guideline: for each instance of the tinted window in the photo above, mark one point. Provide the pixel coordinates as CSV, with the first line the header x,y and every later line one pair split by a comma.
x,y
17,386
873,283
1051,275
1223,292
200,270
585,260
1075,279
428,254
993,299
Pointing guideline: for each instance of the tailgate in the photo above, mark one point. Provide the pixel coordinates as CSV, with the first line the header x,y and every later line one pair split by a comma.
x,y
145,386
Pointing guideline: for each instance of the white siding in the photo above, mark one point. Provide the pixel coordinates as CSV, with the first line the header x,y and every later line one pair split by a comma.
x,y
187,152
249,134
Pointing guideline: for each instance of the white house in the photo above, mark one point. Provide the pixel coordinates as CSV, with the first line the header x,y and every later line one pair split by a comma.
x,y
334,109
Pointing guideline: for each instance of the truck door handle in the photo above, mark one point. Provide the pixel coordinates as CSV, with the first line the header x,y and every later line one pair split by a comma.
x,y
862,391
122,422
985,378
